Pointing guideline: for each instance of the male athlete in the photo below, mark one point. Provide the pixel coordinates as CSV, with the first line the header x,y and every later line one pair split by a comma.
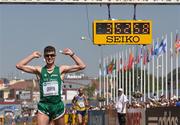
x,y
80,103
50,106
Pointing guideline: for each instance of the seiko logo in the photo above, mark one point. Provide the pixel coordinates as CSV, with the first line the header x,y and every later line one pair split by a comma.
x,y
122,39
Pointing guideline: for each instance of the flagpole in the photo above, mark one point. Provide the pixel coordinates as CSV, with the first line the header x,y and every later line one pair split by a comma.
x,y
111,82
137,75
171,68
141,73
120,70
107,88
161,50
126,82
157,69
123,70
144,81
177,75
148,70
133,73
129,78
130,86
117,77
162,71
148,75
100,80
104,81
166,76
177,88
114,79
153,84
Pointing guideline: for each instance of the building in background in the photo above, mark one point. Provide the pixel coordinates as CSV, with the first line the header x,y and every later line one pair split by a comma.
x,y
26,92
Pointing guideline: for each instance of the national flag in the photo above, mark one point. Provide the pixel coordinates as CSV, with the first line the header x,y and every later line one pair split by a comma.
x,y
100,67
139,55
163,46
125,64
145,57
156,49
149,53
131,59
136,56
111,67
177,43
141,52
120,64
125,67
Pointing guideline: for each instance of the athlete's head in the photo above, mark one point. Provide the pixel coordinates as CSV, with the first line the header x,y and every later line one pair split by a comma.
x,y
49,54
49,49
80,90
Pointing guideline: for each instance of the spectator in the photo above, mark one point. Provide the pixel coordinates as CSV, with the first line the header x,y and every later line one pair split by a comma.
x,y
178,103
120,106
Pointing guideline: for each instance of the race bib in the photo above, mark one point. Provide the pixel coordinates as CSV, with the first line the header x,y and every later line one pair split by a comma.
x,y
50,88
81,104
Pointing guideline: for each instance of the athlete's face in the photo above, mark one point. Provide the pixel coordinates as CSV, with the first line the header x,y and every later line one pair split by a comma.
x,y
50,57
80,91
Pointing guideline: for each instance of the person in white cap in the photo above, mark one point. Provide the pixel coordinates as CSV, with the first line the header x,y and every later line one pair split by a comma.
x,y
120,106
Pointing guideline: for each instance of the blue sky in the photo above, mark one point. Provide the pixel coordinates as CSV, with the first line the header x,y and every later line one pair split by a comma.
x,y
25,28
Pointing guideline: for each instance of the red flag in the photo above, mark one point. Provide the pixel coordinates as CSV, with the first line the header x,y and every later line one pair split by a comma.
x,y
131,58
149,53
125,67
145,58
177,44
120,64
138,56
110,67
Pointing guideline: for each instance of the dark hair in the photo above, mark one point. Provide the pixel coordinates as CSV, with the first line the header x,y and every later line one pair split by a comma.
x,y
49,49
80,89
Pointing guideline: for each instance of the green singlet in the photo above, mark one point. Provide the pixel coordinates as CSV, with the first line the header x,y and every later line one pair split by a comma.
x,y
50,94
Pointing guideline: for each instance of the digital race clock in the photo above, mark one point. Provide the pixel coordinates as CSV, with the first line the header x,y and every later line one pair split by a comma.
x,y
122,32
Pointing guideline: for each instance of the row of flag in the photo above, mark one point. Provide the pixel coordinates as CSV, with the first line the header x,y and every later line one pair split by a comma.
x,y
113,70
144,53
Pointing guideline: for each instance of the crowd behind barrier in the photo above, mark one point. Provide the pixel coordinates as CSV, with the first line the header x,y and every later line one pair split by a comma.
x,y
157,111
155,102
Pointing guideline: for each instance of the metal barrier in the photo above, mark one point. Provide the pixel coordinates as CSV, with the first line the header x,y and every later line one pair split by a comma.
x,y
135,116
102,117
96,117
111,117
149,116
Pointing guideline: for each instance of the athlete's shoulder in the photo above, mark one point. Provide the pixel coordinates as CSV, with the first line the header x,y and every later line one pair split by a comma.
x,y
75,98
38,69
84,96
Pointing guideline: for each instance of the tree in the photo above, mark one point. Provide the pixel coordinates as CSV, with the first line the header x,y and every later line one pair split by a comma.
x,y
90,89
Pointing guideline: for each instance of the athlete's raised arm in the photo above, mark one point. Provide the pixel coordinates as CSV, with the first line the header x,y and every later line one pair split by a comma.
x,y
79,64
23,64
